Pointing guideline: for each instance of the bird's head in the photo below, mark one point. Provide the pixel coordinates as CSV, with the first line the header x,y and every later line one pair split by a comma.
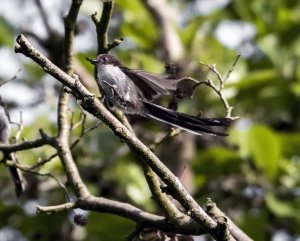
x,y
105,59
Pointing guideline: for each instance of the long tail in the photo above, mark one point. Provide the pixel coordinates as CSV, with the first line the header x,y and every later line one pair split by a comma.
x,y
186,122
17,178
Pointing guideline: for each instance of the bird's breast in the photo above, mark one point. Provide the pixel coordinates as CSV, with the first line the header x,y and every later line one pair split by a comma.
x,y
118,88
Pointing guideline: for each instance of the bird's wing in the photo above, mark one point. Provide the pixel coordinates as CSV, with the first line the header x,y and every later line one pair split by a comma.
x,y
151,86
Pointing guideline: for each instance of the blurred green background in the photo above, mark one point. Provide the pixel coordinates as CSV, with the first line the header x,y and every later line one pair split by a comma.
x,y
253,175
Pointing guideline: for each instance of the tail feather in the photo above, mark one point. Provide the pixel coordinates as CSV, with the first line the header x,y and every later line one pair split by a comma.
x,y
189,123
18,181
17,178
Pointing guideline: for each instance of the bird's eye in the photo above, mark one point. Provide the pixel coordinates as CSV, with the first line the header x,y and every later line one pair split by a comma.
x,y
104,59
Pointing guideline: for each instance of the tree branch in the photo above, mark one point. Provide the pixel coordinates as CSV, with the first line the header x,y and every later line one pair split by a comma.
x,y
216,213
102,27
96,108
55,209
70,22
135,214
25,145
219,90
103,47
174,216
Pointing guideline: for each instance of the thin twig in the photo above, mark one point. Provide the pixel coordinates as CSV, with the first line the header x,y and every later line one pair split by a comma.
x,y
114,44
231,69
220,88
170,134
24,168
26,145
74,143
56,208
20,128
11,79
44,17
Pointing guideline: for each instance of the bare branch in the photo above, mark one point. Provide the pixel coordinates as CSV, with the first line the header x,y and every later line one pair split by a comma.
x,y
216,213
25,168
96,108
170,134
70,21
55,209
20,128
74,143
63,149
142,218
219,90
44,17
11,79
102,26
114,44
174,216
26,145
230,70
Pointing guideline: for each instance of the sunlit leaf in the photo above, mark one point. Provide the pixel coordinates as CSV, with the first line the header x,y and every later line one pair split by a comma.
x,y
138,24
108,227
213,162
255,78
281,208
265,149
6,34
290,143
253,222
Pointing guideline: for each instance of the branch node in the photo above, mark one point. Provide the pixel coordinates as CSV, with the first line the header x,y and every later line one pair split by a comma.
x,y
95,18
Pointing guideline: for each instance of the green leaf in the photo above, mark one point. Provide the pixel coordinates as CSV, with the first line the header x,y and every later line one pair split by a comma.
x,y
214,162
290,143
108,227
255,79
283,209
6,34
138,24
253,223
265,149
188,33
132,181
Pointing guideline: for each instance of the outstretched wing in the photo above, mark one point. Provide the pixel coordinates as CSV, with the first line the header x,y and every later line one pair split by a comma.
x,y
151,86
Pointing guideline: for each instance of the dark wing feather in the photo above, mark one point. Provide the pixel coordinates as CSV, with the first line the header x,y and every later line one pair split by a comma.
x,y
150,85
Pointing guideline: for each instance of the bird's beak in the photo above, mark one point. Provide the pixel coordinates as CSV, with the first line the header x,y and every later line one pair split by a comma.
x,y
92,61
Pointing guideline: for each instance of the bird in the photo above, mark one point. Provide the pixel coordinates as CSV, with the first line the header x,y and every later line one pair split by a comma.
x,y
5,132
133,91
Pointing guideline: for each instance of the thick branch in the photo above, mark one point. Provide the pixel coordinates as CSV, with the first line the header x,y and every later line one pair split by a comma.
x,y
96,108
62,140
216,213
174,216
26,145
143,219
63,148
70,22
162,199
135,214
102,26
